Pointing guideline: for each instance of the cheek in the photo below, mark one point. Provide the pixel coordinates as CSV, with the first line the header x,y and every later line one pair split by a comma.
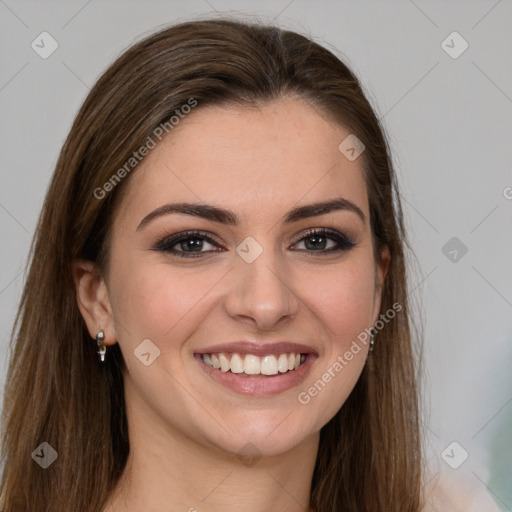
x,y
155,301
344,305
344,301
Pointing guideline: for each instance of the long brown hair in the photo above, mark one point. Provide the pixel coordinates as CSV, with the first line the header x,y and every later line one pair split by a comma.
x,y
56,390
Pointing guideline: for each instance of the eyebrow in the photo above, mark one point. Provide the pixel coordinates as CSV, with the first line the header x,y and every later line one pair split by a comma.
x,y
223,216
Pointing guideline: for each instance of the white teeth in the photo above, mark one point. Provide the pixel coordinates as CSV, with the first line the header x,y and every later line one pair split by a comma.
x,y
254,365
215,361
269,365
224,363
237,364
282,363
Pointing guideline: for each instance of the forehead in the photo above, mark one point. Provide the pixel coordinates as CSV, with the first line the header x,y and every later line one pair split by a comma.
x,y
277,155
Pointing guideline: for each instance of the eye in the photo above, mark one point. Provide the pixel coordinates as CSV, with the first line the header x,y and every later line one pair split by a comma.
x,y
188,244
322,240
193,244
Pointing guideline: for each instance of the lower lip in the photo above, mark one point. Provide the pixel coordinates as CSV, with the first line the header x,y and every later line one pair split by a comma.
x,y
258,385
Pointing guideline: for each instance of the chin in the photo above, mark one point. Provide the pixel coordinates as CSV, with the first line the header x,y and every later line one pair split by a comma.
x,y
265,436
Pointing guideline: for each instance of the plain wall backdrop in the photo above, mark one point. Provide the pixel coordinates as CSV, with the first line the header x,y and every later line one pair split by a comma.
x,y
447,110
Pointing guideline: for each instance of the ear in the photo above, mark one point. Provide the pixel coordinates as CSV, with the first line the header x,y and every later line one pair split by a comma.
x,y
381,270
93,300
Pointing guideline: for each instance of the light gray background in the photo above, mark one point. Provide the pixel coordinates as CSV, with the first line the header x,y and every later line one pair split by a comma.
x,y
449,122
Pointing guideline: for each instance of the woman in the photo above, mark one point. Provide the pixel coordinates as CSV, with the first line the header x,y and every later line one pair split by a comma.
x,y
215,315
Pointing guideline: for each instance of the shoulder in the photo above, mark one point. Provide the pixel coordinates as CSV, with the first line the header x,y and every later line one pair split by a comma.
x,y
452,493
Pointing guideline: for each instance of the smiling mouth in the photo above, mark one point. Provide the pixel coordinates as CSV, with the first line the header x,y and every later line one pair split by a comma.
x,y
251,365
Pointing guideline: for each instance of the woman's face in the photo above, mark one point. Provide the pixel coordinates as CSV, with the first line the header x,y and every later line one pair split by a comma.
x,y
255,290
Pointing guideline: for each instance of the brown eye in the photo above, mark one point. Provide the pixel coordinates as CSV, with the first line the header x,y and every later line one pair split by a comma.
x,y
325,241
188,244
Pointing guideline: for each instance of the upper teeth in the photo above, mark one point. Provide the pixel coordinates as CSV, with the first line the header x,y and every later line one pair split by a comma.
x,y
254,365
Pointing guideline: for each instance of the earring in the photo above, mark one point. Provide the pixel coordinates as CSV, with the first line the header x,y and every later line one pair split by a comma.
x,y
373,332
100,337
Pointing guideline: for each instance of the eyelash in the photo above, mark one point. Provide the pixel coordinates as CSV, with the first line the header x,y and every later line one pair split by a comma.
x,y
166,244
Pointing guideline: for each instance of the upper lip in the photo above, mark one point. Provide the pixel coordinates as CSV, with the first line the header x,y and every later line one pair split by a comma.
x,y
258,349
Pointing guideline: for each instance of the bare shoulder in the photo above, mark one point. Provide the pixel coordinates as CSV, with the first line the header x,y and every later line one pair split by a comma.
x,y
453,493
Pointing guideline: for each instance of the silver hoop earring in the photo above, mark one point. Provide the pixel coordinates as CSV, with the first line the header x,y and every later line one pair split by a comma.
x,y
373,332
102,349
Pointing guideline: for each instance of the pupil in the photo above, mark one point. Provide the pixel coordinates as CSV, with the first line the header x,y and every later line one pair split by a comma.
x,y
316,242
195,244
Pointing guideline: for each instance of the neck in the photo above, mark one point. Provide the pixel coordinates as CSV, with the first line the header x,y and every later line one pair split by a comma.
x,y
167,470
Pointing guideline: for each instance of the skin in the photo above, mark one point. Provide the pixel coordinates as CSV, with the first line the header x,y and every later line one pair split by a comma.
x,y
185,429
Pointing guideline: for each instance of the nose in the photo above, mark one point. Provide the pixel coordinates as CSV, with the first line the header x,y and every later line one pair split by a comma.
x,y
261,293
